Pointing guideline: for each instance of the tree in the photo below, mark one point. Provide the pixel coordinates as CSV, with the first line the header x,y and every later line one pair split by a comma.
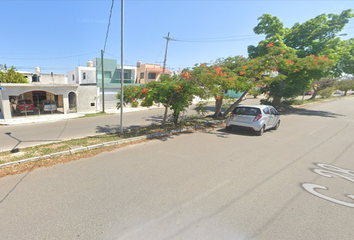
x,y
217,78
11,75
314,46
324,83
345,85
131,94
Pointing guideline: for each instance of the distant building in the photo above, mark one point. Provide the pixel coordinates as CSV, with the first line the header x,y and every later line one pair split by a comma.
x,y
147,72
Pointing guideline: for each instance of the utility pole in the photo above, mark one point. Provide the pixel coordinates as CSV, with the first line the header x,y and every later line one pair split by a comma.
x,y
102,81
164,61
121,67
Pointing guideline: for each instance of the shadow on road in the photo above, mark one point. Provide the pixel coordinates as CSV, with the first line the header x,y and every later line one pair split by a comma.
x,y
307,112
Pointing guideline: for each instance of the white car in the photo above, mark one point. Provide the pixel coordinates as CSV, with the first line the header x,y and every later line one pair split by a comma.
x,y
48,106
256,117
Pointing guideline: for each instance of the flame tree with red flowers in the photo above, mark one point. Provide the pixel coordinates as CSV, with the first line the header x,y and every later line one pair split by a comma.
x,y
131,94
217,78
173,92
313,51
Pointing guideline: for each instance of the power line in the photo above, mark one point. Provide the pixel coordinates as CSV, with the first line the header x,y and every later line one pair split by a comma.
x,y
109,23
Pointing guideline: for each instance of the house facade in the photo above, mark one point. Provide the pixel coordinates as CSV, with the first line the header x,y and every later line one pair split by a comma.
x,y
147,72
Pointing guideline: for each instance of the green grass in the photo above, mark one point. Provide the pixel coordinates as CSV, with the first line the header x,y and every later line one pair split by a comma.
x,y
55,147
96,114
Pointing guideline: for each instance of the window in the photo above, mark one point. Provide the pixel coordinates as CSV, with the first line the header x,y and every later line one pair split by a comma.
x,y
84,75
141,75
107,74
73,77
266,110
152,76
249,111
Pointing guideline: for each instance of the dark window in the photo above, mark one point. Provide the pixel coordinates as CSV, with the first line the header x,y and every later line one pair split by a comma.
x,y
266,110
84,75
249,111
152,76
141,75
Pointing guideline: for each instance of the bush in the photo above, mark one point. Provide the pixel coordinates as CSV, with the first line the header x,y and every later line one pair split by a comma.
x,y
326,93
135,104
147,103
291,102
200,108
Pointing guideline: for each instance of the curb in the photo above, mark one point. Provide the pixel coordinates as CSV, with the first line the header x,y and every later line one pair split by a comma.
x,y
118,142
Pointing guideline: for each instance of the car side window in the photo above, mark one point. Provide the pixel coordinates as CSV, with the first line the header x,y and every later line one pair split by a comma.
x,y
266,110
273,111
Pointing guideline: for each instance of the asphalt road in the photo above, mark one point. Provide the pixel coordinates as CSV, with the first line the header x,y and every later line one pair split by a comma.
x,y
209,184
31,134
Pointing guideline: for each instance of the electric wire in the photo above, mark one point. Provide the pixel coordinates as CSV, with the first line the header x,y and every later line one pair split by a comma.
x,y
109,23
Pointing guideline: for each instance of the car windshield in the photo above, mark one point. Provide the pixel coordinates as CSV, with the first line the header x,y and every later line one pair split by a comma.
x,y
250,111
24,102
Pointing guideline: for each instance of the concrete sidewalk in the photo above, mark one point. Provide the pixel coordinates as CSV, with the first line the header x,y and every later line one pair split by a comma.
x,y
58,117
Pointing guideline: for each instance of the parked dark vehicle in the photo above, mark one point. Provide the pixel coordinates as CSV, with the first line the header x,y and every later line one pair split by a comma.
x,y
309,93
24,106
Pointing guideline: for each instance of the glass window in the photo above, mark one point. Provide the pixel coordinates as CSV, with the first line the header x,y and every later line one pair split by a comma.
x,y
107,74
84,75
142,75
73,77
152,76
266,110
250,111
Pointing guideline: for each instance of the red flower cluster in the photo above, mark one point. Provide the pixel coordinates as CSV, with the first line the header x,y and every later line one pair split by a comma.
x,y
241,73
178,88
269,45
217,98
186,75
291,62
218,71
144,91
296,70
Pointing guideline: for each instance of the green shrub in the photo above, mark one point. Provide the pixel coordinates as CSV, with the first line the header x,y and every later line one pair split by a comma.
x,y
147,103
135,104
326,93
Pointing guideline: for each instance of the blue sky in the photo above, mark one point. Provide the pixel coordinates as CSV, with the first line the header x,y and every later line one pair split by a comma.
x,y
58,35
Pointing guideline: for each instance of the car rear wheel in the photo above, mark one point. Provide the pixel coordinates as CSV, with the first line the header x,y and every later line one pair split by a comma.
x,y
260,132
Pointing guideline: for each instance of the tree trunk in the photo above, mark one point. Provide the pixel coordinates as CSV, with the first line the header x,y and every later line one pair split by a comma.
x,y
234,104
276,101
313,95
218,106
166,108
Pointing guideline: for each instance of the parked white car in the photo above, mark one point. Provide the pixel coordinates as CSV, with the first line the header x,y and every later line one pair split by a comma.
x,y
256,117
48,106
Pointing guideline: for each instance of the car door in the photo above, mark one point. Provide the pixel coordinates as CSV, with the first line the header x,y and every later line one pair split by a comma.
x,y
273,117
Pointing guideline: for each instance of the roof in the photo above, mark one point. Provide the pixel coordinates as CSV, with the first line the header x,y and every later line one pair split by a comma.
x,y
158,69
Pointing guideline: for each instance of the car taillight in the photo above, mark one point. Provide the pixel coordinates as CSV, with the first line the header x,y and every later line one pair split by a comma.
x,y
256,118
232,115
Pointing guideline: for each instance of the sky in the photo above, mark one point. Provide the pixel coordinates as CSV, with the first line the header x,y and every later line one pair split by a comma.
x,y
59,35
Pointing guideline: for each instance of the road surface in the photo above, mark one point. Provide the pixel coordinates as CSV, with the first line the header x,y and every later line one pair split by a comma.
x,y
287,184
